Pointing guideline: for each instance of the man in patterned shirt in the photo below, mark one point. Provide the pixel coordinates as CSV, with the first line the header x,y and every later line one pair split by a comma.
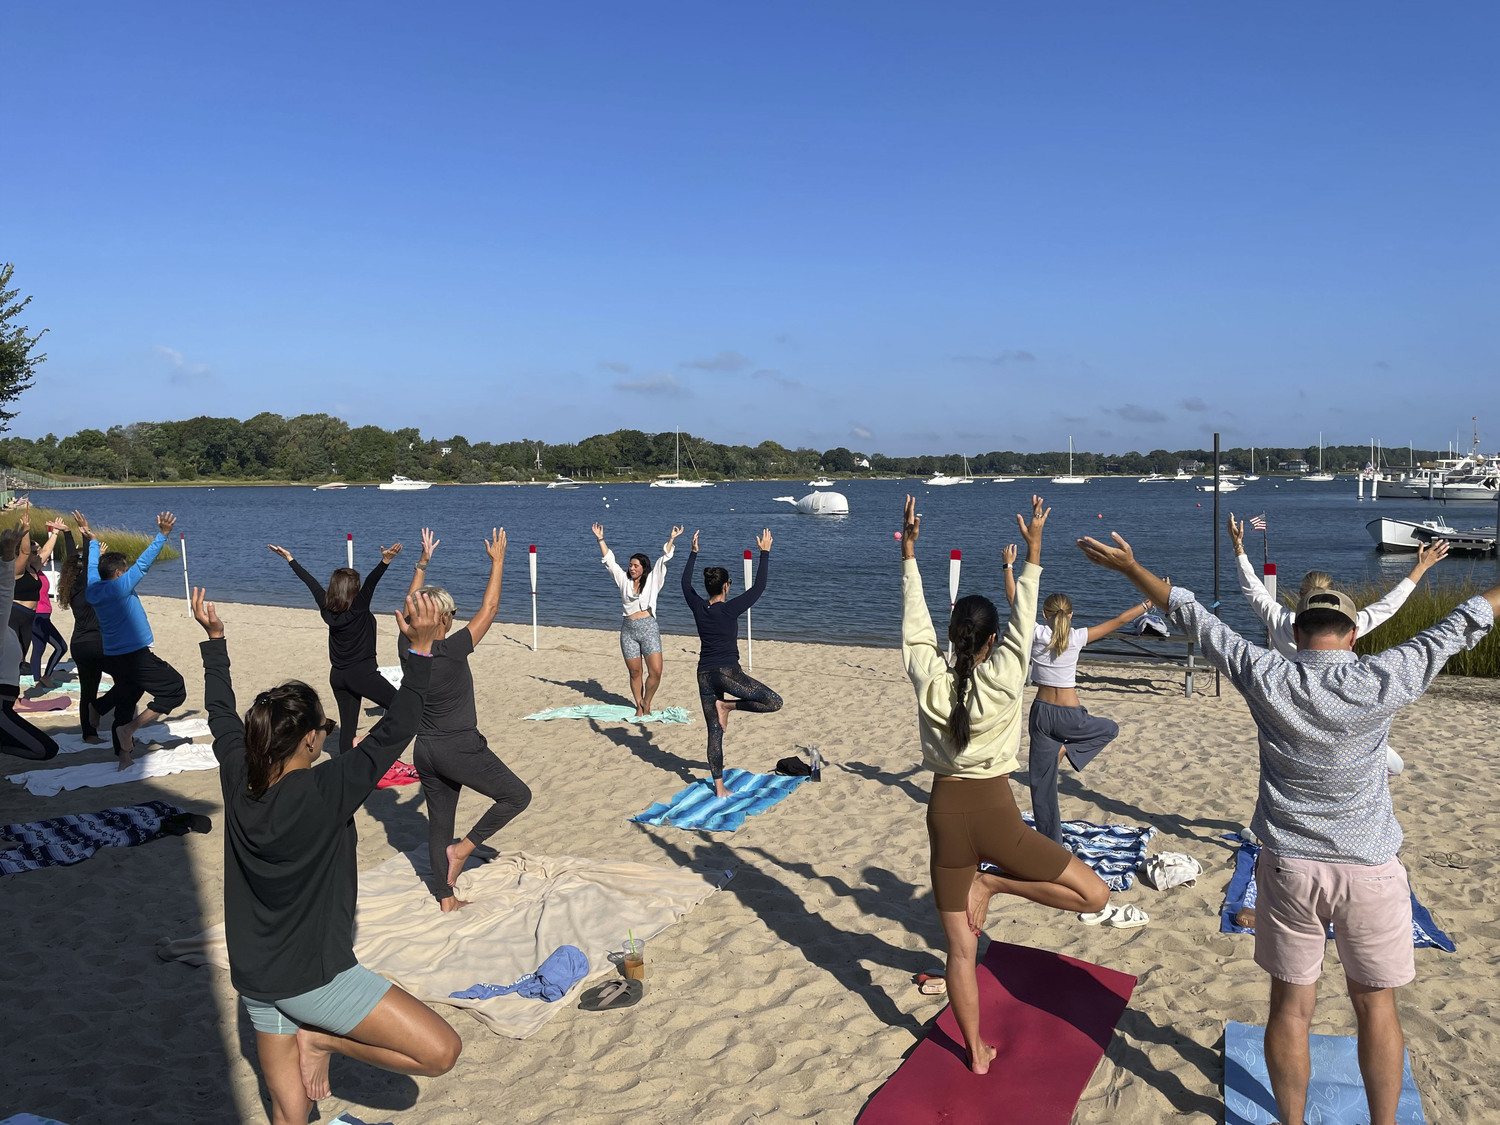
x,y
1324,814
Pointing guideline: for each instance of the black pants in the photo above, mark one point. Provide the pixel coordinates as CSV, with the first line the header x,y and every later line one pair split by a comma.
x,y
44,634
447,763
350,686
21,619
1055,728
749,695
137,674
88,658
19,737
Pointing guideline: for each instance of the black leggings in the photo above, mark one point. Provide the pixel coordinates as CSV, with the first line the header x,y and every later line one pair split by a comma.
x,y
20,738
749,695
446,763
21,619
137,674
350,686
44,634
89,660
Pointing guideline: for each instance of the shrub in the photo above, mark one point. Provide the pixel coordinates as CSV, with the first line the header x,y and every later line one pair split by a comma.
x,y
129,543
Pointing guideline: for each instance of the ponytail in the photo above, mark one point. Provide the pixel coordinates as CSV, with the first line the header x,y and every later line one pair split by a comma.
x,y
1057,610
275,725
975,620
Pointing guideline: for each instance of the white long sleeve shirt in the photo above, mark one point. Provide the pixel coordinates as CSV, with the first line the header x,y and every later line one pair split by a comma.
x,y
1279,620
630,601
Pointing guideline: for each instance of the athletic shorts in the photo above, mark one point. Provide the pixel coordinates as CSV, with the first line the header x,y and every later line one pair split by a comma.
x,y
337,1007
974,819
1369,907
639,636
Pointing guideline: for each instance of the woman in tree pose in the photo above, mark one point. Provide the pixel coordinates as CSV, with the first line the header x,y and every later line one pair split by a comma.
x,y
640,639
450,752
44,634
290,880
1058,724
719,671
969,721
88,641
353,674
17,735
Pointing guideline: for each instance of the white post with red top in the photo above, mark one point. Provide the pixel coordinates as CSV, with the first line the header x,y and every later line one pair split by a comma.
x,y
187,590
1269,581
955,562
349,549
531,554
749,634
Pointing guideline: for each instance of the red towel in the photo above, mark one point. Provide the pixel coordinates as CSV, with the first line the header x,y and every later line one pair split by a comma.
x,y
1050,1019
398,774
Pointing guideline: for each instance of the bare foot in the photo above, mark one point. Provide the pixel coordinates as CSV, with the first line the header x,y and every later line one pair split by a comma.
x,y
125,761
95,739
314,1061
979,1065
94,716
720,790
458,855
452,903
979,905
724,708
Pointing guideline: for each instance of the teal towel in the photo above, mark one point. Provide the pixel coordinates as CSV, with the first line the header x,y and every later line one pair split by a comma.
x,y
613,713
696,806
1335,1095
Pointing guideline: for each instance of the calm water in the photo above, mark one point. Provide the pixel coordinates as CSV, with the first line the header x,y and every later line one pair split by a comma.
x,y
832,580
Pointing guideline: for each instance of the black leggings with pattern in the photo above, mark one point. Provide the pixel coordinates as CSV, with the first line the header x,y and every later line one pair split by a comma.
x,y
748,694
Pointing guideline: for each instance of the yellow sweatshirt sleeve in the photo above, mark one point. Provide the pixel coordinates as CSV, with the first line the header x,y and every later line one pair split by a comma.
x,y
919,644
1008,664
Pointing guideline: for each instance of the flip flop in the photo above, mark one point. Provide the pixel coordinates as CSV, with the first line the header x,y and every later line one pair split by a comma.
x,y
1449,859
607,997
1128,917
1099,915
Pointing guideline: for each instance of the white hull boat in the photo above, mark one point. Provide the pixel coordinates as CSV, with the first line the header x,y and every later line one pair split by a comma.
x,y
562,482
331,486
943,481
1224,486
821,482
1002,480
1319,478
675,479
399,483
1068,477
1154,478
819,504
1407,535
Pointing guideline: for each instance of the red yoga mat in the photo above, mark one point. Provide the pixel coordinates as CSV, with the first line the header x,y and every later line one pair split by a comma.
x,y
52,703
1049,1017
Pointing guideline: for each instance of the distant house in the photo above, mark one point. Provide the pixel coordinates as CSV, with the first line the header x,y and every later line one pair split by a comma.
x,y
447,449
1297,466
1191,466
862,462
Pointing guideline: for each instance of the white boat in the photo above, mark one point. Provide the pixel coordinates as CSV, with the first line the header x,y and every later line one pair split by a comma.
x,y
1154,478
1225,485
1252,474
398,483
562,482
674,480
819,504
1002,480
1182,474
821,482
1320,476
942,480
1407,535
1481,489
1068,477
331,486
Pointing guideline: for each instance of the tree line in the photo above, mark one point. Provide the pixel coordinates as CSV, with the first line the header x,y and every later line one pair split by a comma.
x,y
320,447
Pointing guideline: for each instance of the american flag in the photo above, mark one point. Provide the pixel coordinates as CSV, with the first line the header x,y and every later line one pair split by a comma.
x,y
1259,522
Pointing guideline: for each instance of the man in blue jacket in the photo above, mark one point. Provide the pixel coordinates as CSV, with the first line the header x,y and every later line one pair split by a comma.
x,y
128,658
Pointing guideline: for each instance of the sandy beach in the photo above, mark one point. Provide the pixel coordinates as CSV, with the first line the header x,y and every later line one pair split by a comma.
x,y
788,995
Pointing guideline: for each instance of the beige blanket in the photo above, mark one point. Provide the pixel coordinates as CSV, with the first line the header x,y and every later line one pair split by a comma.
x,y
522,907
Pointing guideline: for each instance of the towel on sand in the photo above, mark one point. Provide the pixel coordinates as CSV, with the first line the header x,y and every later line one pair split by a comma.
x,y
158,763
1114,851
696,806
49,703
158,734
400,773
612,713
1240,895
564,967
521,907
391,672
64,840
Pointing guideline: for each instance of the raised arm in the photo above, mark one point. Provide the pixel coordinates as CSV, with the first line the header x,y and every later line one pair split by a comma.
x,y
1378,612
367,587
607,557
419,572
480,623
1410,667
132,577
218,690
694,598
1105,628
919,643
598,530
1010,660
1274,615
739,605
313,585
91,569
1009,557
23,551
54,528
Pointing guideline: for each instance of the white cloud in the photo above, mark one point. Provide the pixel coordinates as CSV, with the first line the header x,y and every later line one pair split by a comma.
x,y
615,365
664,383
180,371
724,361
860,432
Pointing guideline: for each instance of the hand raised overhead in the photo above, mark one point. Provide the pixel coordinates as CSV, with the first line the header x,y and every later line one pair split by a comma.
x,y
911,528
763,540
422,623
166,522
494,546
387,554
282,551
1118,557
205,613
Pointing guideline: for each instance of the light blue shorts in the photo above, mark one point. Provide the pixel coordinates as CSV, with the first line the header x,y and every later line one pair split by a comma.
x,y
639,636
337,1007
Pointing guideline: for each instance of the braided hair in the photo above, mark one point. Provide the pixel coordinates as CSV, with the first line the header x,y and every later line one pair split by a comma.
x,y
275,726
975,620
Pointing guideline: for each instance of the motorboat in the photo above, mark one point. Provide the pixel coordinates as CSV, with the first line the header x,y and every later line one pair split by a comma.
x,y
331,486
1225,485
1320,476
818,504
675,480
1068,477
1155,478
1002,480
398,483
562,482
821,482
942,480
1408,535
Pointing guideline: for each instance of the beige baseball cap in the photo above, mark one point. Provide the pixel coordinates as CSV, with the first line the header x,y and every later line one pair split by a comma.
x,y
1336,600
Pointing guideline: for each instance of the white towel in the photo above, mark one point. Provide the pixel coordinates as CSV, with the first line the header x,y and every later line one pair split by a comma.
x,y
391,672
158,763
158,733
1166,870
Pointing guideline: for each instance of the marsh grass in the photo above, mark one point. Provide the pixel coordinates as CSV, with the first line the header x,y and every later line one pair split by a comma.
x,y
130,543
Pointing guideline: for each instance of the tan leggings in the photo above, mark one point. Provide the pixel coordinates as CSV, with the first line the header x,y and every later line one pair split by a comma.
x,y
970,820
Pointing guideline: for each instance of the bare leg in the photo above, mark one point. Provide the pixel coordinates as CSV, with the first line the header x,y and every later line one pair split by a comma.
x,y
402,1034
653,678
634,665
128,731
458,855
963,987
1287,1059
1382,1048
279,1064
1077,889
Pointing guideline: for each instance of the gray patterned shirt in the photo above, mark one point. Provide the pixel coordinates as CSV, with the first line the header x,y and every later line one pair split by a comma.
x,y
1322,719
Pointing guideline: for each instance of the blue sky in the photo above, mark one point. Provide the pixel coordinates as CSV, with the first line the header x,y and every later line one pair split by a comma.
x,y
911,228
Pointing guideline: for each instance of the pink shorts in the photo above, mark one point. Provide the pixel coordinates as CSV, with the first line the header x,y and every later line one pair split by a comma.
x,y
1370,908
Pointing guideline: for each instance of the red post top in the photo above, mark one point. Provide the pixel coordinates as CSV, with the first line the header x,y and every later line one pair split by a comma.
x,y
181,536
1270,568
747,552
956,555
350,537
532,549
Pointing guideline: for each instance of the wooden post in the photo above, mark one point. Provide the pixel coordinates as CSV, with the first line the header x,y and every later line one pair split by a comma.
x,y
749,632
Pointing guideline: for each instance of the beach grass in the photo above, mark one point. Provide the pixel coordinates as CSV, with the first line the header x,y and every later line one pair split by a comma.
x,y
129,543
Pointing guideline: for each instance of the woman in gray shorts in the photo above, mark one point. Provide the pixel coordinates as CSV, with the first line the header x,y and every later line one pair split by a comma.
x,y
640,639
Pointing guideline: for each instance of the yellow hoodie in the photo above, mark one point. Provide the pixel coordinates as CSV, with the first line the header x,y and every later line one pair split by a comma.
x,y
995,718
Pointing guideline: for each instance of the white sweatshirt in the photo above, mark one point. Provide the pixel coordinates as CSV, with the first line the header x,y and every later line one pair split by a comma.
x,y
1279,620
630,601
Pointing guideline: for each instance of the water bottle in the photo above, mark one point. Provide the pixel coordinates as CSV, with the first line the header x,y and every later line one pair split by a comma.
x,y
817,762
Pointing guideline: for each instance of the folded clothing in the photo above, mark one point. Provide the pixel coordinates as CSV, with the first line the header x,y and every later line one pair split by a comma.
x,y
564,967
612,713
65,840
158,763
1166,870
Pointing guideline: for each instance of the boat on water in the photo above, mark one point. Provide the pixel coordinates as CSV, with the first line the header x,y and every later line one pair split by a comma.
x,y
331,486
675,479
942,480
562,482
398,483
818,504
821,482
1252,474
1068,477
1002,480
1226,484
1320,477
1408,535
1155,478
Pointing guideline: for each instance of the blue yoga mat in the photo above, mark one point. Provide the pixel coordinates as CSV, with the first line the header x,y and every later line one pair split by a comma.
x,y
697,807
1240,893
1335,1096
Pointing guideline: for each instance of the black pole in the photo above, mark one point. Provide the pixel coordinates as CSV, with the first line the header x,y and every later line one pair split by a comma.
x,y
1216,545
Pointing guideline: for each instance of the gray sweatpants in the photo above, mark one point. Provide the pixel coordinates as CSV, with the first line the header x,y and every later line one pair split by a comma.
x,y
1053,728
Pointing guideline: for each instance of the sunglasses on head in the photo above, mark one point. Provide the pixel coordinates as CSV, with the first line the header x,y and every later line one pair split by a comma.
x,y
326,726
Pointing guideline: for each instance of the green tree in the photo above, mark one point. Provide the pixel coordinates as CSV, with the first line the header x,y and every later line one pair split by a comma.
x,y
18,358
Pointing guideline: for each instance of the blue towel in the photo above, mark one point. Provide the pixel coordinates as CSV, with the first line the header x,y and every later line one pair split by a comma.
x,y
697,807
1240,894
564,967
612,713
1114,851
72,839
1335,1096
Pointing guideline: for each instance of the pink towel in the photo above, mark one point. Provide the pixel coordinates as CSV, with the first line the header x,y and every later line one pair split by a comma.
x,y
52,703
398,774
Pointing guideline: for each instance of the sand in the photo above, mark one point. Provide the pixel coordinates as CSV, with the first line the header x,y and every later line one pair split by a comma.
x,y
785,997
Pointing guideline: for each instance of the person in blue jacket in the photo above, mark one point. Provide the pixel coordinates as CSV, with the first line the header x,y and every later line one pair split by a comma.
x,y
137,671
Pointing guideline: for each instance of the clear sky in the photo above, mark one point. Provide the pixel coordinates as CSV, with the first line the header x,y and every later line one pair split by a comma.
x,y
912,228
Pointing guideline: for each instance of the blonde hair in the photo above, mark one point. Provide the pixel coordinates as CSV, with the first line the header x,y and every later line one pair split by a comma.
x,y
440,596
1057,610
1316,580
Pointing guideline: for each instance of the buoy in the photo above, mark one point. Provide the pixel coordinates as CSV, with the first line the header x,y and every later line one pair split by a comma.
x,y
898,536
1200,505
606,505
1101,515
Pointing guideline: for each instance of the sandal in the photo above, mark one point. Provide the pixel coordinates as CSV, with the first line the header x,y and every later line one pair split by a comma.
x,y
620,993
1128,917
932,984
1099,915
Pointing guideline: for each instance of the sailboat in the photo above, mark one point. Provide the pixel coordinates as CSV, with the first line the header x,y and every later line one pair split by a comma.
x,y
1069,478
675,479
1320,475
1252,474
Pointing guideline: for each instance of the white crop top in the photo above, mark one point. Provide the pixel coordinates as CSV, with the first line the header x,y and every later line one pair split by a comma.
x,y
630,601
1056,671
